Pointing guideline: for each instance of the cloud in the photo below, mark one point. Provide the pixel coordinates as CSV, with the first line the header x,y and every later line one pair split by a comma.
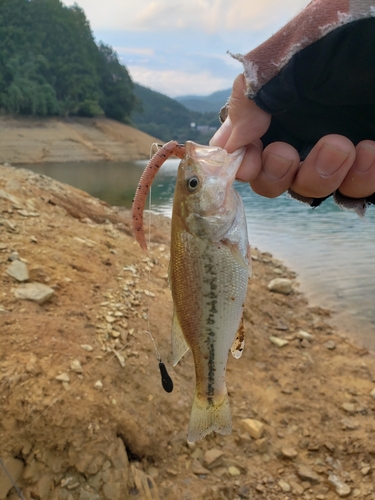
x,y
210,16
135,50
174,82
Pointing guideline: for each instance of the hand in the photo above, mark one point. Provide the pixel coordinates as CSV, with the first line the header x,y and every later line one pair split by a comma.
x,y
333,163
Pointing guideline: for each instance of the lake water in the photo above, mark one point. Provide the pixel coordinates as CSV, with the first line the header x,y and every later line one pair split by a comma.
x,y
331,250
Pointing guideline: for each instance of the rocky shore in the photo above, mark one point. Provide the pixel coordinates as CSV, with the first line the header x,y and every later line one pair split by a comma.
x,y
83,415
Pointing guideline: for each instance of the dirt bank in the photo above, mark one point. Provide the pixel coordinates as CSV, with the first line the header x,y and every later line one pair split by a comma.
x,y
83,414
36,140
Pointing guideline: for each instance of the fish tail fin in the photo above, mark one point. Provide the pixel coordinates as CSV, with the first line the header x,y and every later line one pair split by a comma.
x,y
207,416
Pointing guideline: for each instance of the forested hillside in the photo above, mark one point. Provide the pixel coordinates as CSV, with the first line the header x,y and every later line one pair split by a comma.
x,y
51,65
161,116
206,103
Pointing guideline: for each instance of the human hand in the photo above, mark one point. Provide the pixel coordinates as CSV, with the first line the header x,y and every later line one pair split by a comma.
x,y
333,164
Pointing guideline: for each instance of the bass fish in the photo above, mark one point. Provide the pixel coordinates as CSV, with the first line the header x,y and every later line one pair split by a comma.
x,y
208,274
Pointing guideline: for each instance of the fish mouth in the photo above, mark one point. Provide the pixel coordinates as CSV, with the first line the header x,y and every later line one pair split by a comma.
x,y
212,159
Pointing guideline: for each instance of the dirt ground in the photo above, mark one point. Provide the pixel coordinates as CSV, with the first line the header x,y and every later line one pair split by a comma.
x,y
37,140
83,414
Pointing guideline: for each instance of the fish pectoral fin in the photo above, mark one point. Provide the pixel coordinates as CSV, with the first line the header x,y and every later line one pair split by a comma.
x,y
239,342
236,254
207,416
179,344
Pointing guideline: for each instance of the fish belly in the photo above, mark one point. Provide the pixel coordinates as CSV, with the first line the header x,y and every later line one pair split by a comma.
x,y
209,289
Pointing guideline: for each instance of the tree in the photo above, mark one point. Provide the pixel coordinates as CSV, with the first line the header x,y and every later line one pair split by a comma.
x,y
116,87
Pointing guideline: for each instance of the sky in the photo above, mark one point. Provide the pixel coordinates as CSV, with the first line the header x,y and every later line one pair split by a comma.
x,y
179,47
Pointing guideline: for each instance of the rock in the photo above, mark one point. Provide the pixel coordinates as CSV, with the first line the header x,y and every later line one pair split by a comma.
x,y
288,452
87,347
27,213
302,334
14,256
37,292
253,427
262,445
260,488
280,285
87,495
285,487
281,326
306,474
342,489
372,393
297,488
63,377
98,385
213,458
365,470
14,468
112,491
330,344
279,342
305,343
349,408
350,424
233,471
75,366
18,270
120,358
32,366
198,454
198,469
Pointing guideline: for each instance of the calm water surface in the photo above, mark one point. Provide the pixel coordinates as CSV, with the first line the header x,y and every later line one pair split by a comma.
x,y
330,249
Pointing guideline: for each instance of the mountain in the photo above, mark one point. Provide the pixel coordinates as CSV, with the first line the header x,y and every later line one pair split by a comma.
x,y
166,118
207,103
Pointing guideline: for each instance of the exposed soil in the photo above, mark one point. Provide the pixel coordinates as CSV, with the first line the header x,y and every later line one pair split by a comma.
x,y
110,431
37,140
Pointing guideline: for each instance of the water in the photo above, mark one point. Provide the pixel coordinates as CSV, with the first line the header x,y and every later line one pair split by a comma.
x,y
331,250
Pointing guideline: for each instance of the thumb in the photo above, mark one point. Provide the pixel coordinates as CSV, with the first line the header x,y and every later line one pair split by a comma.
x,y
245,122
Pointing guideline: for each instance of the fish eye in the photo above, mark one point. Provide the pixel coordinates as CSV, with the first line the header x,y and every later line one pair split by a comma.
x,y
192,183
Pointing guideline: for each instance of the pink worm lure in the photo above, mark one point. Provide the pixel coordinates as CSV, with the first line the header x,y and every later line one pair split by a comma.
x,y
172,148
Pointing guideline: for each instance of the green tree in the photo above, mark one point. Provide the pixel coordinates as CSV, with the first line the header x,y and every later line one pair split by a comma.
x,y
50,63
116,98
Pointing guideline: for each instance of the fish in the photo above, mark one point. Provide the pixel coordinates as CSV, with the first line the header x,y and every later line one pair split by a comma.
x,y
210,265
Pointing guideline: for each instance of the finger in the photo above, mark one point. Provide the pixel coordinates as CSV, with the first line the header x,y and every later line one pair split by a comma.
x,y
245,122
325,168
251,163
360,180
280,162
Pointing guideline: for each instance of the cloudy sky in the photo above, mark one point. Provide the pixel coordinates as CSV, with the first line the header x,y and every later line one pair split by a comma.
x,y
179,47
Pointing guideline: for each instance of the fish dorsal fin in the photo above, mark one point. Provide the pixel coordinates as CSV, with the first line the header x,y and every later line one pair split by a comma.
x,y
239,342
179,344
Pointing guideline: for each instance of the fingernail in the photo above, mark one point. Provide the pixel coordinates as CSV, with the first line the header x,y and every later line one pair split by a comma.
x,y
365,159
221,136
329,160
275,167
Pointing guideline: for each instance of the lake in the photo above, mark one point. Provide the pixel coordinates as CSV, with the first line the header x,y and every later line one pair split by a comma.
x,y
331,250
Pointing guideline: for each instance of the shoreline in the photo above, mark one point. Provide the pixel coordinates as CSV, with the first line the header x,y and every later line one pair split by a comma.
x,y
29,140
81,392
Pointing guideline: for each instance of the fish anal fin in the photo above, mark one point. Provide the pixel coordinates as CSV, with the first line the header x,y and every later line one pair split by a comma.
x,y
179,344
239,342
207,416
